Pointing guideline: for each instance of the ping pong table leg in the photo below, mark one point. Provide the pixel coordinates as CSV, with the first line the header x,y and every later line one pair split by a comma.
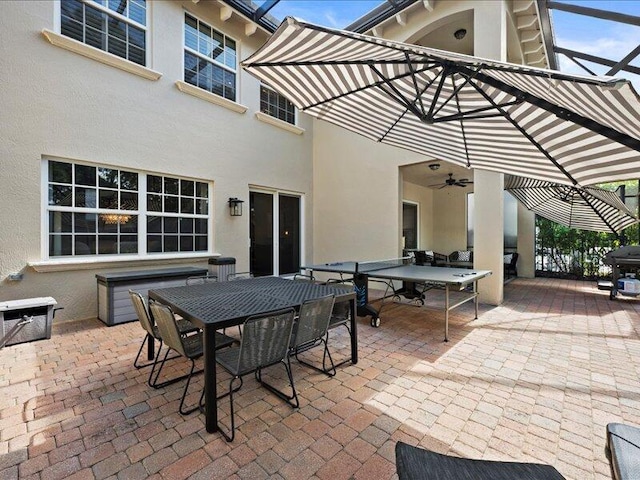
x,y
475,295
354,332
446,313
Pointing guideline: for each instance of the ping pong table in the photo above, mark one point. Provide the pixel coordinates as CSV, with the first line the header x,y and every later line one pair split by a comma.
x,y
416,279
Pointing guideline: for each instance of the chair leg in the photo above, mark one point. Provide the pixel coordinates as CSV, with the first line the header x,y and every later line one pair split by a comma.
x,y
290,399
154,383
181,409
147,339
327,371
228,437
348,359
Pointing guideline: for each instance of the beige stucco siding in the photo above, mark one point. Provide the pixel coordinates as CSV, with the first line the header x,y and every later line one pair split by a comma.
x,y
57,103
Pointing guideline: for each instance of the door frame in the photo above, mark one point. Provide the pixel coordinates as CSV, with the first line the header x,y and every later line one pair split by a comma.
x,y
276,192
417,205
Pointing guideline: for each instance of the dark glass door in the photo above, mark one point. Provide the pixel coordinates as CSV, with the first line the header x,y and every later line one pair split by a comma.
x,y
261,233
289,234
410,225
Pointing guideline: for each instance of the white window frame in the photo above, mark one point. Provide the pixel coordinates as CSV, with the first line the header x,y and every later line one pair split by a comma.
x,y
235,70
97,6
141,212
295,110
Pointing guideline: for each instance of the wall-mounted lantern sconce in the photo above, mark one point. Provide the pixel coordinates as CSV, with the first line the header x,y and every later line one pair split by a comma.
x,y
235,207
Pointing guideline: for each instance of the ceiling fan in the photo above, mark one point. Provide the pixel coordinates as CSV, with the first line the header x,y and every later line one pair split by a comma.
x,y
450,182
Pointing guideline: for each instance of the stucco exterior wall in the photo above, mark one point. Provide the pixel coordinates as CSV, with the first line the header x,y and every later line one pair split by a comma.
x,y
57,103
357,188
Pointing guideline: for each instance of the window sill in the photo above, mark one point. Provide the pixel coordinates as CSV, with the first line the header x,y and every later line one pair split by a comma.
x,y
210,97
68,264
99,55
276,122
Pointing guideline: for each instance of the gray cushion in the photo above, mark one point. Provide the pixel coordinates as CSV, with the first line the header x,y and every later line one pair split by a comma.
x,y
623,449
414,463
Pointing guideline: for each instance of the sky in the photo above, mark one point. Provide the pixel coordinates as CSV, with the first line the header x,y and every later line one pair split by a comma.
x,y
603,38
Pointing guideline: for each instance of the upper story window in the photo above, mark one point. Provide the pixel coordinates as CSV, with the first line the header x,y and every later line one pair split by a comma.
x,y
95,210
210,58
275,105
115,26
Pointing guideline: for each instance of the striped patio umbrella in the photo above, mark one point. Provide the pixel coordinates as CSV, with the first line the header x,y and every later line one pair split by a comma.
x,y
586,208
473,112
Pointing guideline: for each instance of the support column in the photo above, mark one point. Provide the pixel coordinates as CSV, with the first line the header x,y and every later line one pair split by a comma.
x,y
489,41
488,237
526,242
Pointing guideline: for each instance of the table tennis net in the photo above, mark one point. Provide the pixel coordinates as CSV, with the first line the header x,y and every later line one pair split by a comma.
x,y
372,266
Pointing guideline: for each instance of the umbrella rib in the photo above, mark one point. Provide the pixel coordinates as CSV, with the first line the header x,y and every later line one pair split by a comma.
x,y
436,95
415,82
453,94
464,133
360,89
524,133
471,115
398,97
581,193
560,112
426,87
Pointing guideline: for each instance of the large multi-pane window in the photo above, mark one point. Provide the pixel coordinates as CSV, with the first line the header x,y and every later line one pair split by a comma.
x,y
95,210
210,58
274,104
177,214
115,26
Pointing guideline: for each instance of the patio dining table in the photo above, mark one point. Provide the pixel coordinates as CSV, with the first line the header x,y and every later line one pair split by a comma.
x,y
217,305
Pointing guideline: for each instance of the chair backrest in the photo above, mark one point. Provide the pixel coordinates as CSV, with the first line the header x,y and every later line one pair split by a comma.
x,y
202,279
167,326
140,307
422,258
313,320
265,340
514,259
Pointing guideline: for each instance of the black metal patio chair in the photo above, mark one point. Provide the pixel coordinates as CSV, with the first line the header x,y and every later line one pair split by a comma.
x,y
152,333
310,330
265,342
340,317
188,346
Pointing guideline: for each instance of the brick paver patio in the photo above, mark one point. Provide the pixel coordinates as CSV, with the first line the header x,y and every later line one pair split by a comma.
x,y
536,379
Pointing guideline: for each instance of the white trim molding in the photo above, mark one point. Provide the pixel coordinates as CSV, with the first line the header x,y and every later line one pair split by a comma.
x,y
276,122
101,56
210,97
89,263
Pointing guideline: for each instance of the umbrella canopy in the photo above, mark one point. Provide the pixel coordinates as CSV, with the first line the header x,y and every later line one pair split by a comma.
x,y
477,113
586,208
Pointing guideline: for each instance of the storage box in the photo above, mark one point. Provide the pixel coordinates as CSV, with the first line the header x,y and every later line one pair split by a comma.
x,y
114,303
26,320
222,267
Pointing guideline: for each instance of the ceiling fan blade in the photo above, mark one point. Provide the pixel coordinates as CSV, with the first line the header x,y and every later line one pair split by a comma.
x,y
460,185
445,185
